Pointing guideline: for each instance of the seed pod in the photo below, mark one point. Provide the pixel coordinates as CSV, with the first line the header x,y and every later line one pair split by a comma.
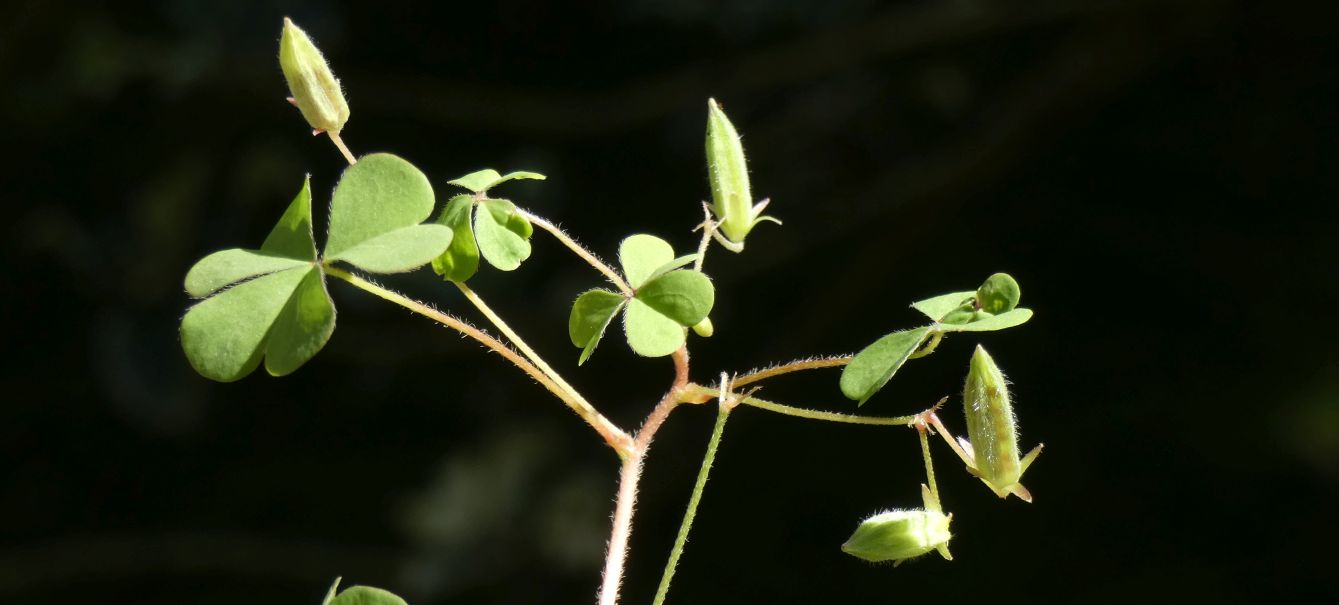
x,y
992,428
898,535
315,90
732,200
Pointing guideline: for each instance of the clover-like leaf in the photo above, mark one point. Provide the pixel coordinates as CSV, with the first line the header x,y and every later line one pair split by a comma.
x,y
375,215
285,315
591,314
227,267
367,595
483,180
641,255
502,234
938,306
991,323
683,296
461,260
650,333
874,366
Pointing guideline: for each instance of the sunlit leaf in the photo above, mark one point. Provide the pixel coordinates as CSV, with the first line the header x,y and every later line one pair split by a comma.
x,y
937,307
292,235
874,366
227,267
302,328
998,294
460,261
224,336
478,181
367,595
641,255
651,334
997,322
379,194
591,314
683,296
502,234
400,250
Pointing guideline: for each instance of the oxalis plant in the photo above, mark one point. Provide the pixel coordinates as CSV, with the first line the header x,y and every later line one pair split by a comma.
x,y
271,305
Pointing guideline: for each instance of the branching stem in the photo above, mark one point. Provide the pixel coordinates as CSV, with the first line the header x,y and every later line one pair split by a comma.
x,y
612,435
827,416
794,366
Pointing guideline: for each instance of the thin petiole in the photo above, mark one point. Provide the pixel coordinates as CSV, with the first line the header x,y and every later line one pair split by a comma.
x,y
579,250
334,138
794,366
827,416
612,435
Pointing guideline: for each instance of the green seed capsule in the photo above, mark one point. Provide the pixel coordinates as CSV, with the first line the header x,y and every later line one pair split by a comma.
x,y
898,535
315,90
992,428
732,200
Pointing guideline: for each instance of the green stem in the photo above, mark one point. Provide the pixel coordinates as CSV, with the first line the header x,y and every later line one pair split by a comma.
x,y
579,250
690,514
929,471
612,435
827,416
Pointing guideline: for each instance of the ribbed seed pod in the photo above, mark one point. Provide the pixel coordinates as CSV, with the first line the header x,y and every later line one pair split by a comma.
x,y
315,90
732,200
898,535
992,428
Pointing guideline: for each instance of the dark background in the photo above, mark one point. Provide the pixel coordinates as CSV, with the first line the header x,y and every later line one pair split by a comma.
x,y
1158,175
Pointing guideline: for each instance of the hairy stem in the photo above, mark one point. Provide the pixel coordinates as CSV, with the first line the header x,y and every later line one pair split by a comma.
x,y
612,435
827,416
794,366
629,476
722,414
579,250
525,349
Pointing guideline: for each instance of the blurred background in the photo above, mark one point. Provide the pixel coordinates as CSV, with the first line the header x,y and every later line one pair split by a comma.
x,y
1159,176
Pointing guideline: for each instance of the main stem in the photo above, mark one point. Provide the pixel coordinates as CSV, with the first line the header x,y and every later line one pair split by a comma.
x,y
629,476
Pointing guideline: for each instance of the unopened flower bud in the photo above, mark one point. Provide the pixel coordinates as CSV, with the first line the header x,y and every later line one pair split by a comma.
x,y
732,200
992,428
315,90
898,535
704,328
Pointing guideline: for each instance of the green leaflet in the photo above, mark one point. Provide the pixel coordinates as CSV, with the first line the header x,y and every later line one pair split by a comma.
x,y
989,323
366,595
227,267
502,233
482,180
460,261
937,307
378,195
683,296
640,255
874,366
400,250
591,314
649,333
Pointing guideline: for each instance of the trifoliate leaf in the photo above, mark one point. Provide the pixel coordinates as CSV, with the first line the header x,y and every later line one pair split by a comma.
x,y
1002,321
367,595
651,334
872,367
502,234
672,265
591,314
379,194
641,255
400,250
461,260
683,296
937,307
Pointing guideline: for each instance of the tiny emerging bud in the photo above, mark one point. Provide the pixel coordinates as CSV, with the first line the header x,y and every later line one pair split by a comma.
x,y
732,200
898,535
315,90
992,429
704,328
